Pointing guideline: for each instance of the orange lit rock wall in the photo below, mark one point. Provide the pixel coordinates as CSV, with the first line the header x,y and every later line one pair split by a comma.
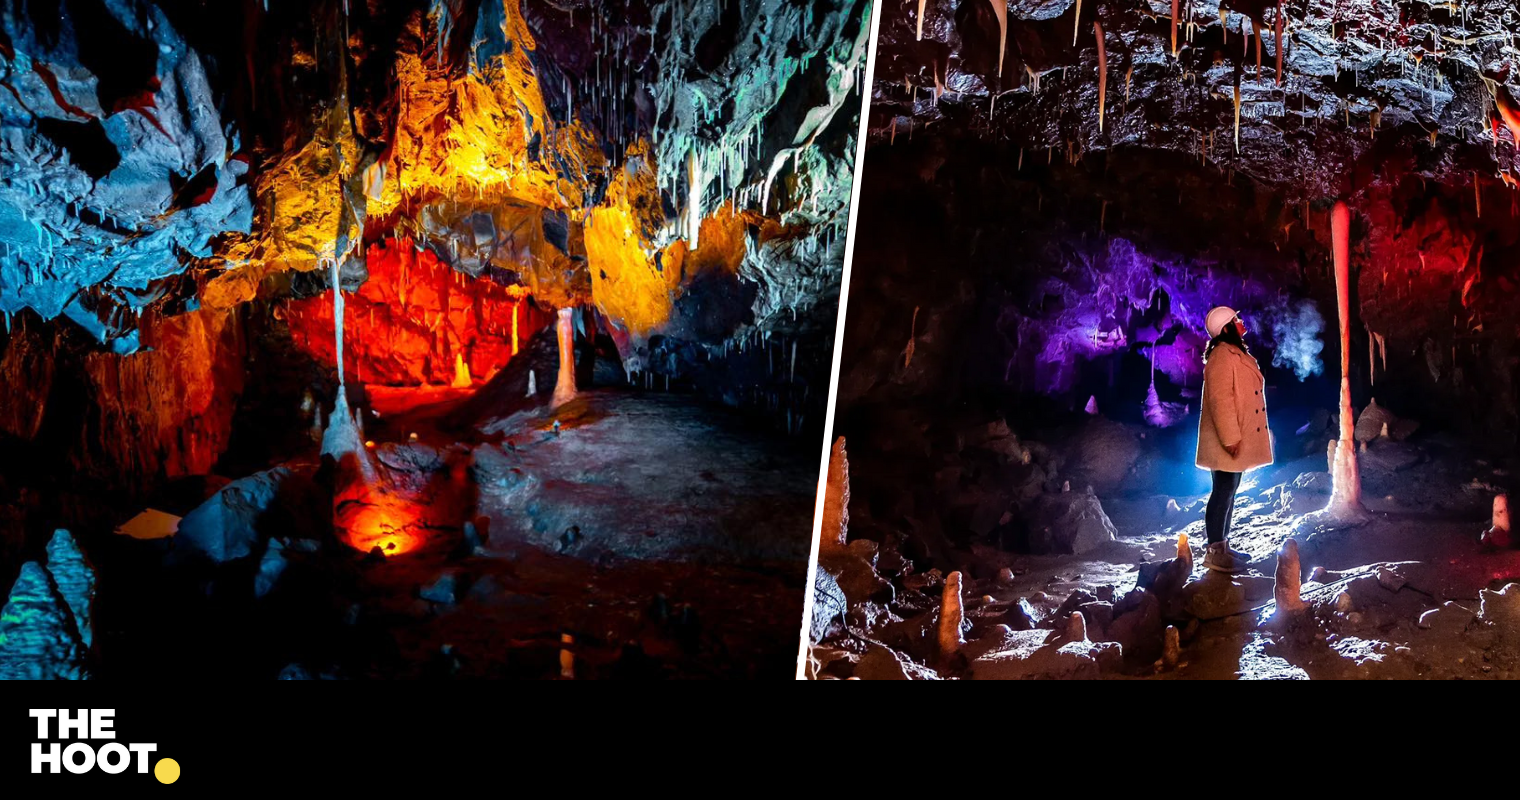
x,y
409,319
165,411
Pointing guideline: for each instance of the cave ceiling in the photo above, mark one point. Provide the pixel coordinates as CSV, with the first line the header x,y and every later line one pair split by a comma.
x,y
173,155
1366,91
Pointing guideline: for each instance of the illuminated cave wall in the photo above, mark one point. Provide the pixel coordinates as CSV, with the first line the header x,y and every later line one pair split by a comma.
x,y
1058,191
413,316
1039,287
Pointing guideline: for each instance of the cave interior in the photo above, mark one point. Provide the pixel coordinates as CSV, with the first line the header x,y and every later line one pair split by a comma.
x,y
1054,194
416,338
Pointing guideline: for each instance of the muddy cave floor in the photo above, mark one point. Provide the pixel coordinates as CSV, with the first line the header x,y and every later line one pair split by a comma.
x,y
666,536
1397,598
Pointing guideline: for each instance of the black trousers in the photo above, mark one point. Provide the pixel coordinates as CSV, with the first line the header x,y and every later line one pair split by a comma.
x,y
1216,517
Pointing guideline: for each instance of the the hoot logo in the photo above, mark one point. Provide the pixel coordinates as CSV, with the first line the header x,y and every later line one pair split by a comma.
x,y
89,733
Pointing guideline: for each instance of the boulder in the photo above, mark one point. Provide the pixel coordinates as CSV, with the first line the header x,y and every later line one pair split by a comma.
x,y
445,590
39,639
1501,608
1069,522
885,664
228,525
1137,625
1030,655
271,566
1218,595
854,573
829,603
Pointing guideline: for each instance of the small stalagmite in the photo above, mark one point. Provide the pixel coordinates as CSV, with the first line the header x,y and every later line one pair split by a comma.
x,y
1286,588
1076,627
1171,648
1184,551
1498,535
461,373
951,615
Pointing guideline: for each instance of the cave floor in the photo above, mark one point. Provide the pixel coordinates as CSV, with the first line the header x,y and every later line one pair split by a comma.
x,y
665,536
1432,547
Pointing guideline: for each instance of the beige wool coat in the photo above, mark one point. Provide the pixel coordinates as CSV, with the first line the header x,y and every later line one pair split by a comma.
x,y
1234,411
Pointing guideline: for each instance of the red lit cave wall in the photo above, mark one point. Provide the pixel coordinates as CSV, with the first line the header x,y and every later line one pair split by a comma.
x,y
412,316
162,412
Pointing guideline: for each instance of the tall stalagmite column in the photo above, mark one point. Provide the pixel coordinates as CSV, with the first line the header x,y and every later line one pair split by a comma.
x,y
1346,493
564,386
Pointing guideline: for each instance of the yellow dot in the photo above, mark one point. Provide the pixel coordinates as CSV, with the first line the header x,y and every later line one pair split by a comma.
x,y
166,770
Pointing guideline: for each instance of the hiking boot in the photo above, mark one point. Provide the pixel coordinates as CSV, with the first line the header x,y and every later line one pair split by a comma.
x,y
1222,558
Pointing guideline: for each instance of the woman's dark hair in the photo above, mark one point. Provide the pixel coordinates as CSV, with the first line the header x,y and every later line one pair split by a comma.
x,y
1230,335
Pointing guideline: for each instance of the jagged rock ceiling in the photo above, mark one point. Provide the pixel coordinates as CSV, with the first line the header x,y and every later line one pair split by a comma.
x,y
159,159
1367,87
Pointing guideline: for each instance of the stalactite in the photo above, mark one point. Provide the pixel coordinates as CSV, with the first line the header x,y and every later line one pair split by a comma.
x,y
1237,119
912,340
920,20
1256,29
1000,8
1102,72
1279,26
1175,6
1076,25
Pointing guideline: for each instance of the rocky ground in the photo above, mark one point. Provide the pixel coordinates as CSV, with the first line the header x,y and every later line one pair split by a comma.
x,y
650,536
1410,593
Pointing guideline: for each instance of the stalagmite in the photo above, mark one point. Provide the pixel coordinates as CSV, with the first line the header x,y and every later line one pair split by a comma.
x,y
566,657
1498,535
564,385
461,373
951,615
836,501
1000,8
1076,627
1171,648
532,384
1102,73
1289,579
1184,551
1346,486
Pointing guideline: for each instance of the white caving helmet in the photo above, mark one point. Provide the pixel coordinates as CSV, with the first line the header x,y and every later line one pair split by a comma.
x,y
1219,316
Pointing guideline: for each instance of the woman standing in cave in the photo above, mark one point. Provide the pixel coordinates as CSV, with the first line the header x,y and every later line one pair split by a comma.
x,y
1232,432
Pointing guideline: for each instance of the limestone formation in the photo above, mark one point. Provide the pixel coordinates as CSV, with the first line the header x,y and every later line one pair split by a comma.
x,y
951,617
1287,588
836,501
